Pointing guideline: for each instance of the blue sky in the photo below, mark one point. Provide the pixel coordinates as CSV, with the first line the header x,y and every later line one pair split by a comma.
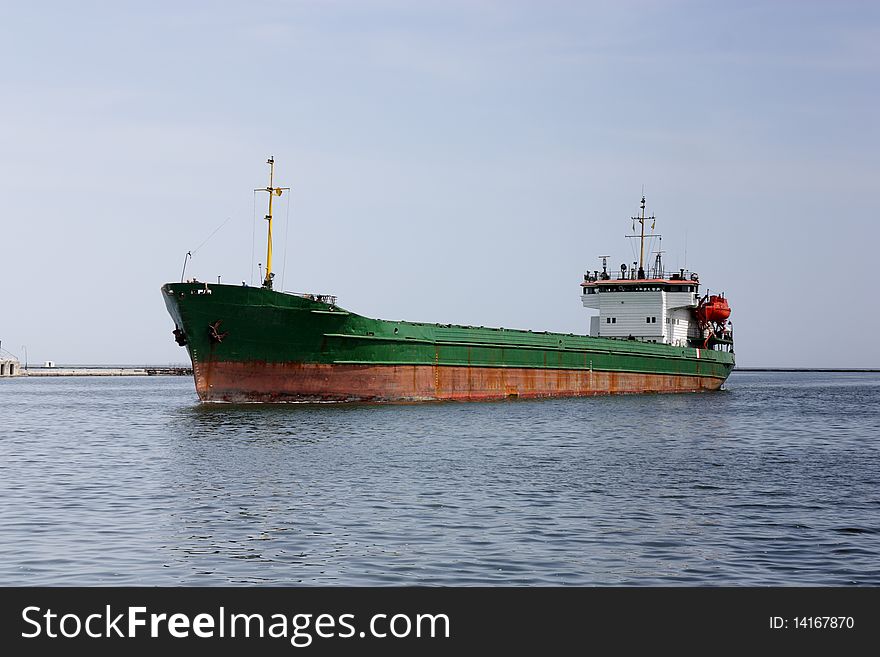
x,y
455,162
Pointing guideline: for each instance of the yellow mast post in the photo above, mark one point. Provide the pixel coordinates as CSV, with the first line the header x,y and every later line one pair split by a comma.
x,y
273,191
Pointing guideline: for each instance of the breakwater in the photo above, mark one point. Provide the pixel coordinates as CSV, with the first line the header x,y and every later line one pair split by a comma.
x,y
808,369
107,371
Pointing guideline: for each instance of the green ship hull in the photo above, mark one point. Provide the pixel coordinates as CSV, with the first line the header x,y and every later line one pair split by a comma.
x,y
254,344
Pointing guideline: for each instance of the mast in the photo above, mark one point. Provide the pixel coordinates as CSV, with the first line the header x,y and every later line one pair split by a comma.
x,y
641,242
273,191
641,219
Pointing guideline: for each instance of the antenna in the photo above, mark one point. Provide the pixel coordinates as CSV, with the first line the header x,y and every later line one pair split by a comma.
x,y
273,191
604,259
658,264
685,248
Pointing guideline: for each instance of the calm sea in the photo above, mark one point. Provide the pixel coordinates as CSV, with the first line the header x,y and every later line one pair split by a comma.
x,y
130,481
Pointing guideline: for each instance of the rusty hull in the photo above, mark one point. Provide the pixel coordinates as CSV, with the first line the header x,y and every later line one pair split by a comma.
x,y
237,381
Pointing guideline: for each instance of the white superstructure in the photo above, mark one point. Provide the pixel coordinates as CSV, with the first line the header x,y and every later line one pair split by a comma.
x,y
648,309
653,306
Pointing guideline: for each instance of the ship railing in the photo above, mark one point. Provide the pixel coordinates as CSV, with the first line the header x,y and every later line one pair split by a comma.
x,y
323,298
632,275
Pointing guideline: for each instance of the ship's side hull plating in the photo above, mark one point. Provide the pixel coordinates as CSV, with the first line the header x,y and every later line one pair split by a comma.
x,y
290,382
251,344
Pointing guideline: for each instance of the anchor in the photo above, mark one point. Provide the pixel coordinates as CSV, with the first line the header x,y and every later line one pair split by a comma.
x,y
214,331
179,336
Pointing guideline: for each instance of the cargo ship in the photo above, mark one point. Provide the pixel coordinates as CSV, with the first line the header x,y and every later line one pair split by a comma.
x,y
654,333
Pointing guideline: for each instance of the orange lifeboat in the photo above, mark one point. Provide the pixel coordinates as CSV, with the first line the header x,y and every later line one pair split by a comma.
x,y
713,309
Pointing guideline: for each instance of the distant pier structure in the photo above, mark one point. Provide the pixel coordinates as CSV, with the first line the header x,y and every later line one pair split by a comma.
x,y
9,365
105,370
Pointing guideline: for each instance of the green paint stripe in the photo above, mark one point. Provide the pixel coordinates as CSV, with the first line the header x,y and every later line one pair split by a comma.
x,y
499,345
